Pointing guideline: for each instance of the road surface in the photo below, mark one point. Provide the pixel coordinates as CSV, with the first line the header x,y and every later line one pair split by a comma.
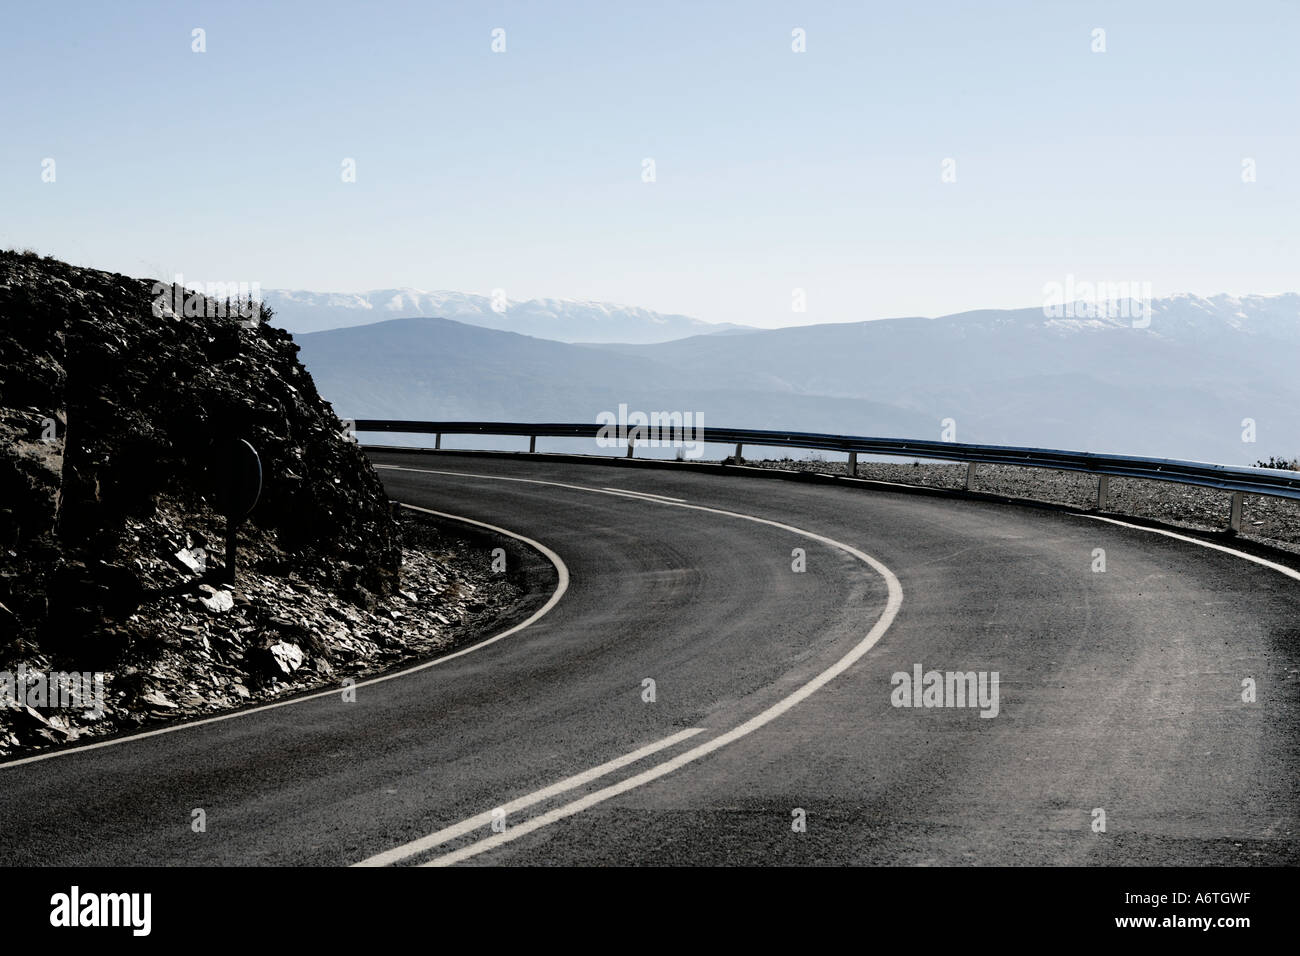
x,y
770,733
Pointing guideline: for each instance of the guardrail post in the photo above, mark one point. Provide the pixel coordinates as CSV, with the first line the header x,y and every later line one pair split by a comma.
x,y
1234,515
970,475
532,444
739,449
853,464
1103,492
437,441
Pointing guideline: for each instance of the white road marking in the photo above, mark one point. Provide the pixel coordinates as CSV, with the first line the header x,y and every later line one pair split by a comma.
x,y
892,604
643,494
562,586
447,834
525,481
1289,572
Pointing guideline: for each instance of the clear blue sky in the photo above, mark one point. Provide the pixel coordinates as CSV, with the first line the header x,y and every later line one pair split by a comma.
x,y
775,170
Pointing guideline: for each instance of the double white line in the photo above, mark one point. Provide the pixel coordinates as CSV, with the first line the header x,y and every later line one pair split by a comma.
x,y
447,834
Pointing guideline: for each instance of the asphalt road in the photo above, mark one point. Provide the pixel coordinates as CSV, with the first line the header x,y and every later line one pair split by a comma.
x,y
777,738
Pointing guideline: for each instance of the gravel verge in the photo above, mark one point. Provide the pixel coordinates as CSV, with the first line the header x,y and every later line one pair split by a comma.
x,y
206,648
1274,522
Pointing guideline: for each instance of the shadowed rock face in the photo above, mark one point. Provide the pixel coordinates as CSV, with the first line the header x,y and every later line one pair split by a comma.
x,y
110,417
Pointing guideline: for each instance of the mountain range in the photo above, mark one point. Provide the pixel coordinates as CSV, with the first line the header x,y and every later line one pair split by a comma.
x,y
564,320
1182,385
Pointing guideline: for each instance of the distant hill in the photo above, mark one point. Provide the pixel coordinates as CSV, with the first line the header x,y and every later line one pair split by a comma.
x,y
440,369
1179,387
564,320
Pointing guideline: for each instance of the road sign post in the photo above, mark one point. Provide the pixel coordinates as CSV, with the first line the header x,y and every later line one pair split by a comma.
x,y
238,484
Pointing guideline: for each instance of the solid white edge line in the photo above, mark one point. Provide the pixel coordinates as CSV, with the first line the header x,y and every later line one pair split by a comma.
x,y
1273,565
415,847
562,586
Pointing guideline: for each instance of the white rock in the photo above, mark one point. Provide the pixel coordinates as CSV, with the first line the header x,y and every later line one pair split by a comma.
x,y
157,699
192,561
218,602
288,657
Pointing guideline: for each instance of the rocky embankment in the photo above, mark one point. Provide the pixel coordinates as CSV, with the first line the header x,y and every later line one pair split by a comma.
x,y
115,411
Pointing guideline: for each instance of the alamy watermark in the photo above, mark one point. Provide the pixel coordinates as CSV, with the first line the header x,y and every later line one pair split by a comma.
x,y
74,909
946,689
196,300
62,690
683,430
1098,300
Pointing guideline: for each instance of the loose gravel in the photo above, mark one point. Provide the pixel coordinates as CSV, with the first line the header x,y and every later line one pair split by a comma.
x,y
1265,520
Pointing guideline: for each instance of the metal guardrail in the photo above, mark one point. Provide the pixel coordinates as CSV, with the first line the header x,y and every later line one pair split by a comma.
x,y
1239,481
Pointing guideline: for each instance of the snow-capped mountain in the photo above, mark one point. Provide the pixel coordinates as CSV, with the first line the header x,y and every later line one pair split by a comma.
x,y
563,320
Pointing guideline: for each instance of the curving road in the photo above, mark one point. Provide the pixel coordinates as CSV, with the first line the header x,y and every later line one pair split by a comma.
x,y
771,737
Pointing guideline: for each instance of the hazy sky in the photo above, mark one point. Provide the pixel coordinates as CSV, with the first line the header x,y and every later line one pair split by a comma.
x,y
775,170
